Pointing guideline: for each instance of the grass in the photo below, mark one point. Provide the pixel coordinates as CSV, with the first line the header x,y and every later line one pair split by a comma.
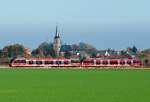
x,y
55,85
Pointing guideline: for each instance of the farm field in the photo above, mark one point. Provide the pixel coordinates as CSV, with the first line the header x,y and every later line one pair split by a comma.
x,y
62,85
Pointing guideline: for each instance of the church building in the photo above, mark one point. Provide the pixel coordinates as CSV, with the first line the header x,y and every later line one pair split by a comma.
x,y
57,43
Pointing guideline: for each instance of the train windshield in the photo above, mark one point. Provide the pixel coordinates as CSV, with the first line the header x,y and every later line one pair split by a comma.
x,y
20,61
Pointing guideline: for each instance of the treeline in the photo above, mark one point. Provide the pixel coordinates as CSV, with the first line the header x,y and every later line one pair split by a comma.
x,y
82,50
45,50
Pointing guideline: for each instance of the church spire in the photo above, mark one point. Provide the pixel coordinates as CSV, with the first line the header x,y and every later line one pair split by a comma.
x,y
57,43
57,33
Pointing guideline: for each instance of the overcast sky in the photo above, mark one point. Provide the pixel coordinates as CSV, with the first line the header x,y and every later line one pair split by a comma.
x,y
113,24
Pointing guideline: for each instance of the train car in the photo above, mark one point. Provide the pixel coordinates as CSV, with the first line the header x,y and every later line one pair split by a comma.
x,y
63,62
40,62
117,63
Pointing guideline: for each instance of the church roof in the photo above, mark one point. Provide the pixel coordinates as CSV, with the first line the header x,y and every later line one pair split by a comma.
x,y
57,33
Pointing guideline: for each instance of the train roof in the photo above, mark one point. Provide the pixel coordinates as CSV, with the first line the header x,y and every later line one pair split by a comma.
x,y
70,59
42,59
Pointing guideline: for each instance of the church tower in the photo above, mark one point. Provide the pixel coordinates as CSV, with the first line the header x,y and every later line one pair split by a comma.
x,y
57,43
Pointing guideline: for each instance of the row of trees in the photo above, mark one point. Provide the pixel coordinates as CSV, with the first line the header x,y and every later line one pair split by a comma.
x,y
45,50
8,52
12,51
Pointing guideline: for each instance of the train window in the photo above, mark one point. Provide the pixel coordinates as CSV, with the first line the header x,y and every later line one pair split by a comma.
x,y
48,62
38,62
105,62
30,62
17,61
113,62
66,62
128,62
58,62
122,62
20,61
98,62
23,61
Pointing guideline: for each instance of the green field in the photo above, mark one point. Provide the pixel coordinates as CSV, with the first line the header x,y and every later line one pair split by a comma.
x,y
55,85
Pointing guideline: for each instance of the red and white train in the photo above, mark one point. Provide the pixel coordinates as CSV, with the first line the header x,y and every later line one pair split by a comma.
x,y
63,62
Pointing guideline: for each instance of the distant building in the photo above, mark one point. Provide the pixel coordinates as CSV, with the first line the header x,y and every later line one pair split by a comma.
x,y
57,43
107,54
28,51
